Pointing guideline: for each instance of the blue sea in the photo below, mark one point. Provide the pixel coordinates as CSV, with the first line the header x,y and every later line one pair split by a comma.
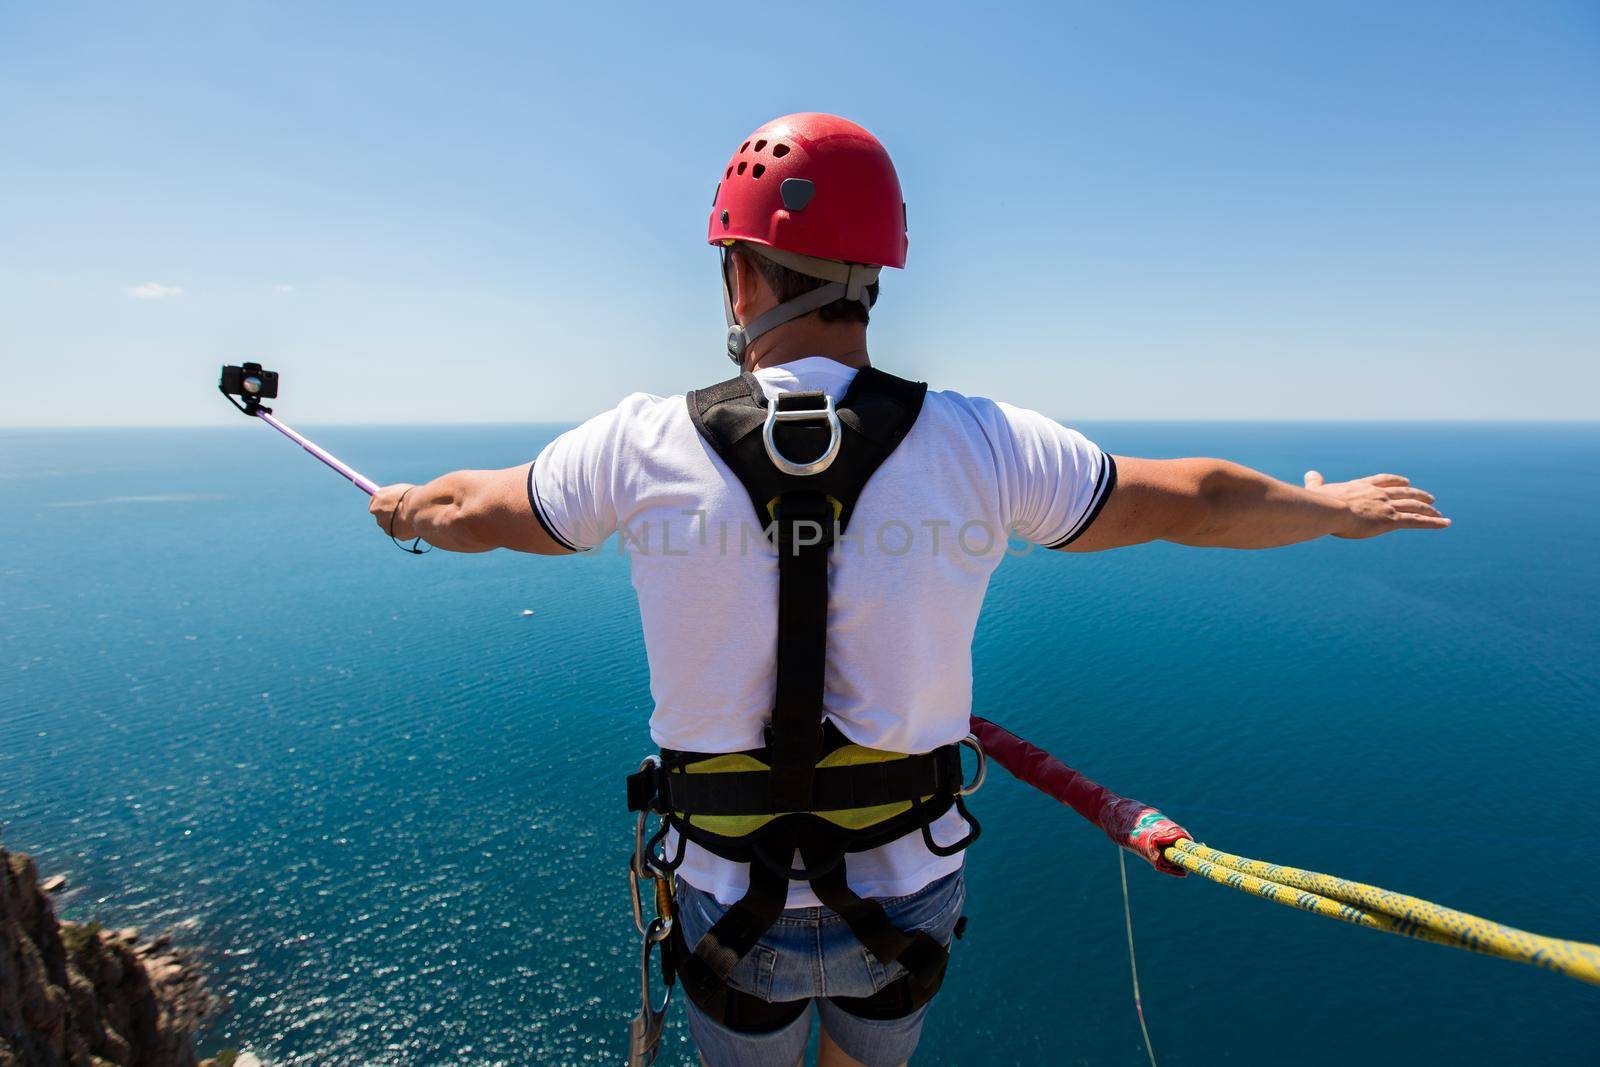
x,y
387,804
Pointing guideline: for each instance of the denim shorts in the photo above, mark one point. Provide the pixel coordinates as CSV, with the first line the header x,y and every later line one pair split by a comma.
x,y
810,954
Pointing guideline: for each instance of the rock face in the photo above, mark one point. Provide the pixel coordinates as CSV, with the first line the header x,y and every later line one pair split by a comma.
x,y
79,996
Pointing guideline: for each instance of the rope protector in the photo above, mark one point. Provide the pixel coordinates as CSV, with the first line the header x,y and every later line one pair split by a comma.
x,y
1323,894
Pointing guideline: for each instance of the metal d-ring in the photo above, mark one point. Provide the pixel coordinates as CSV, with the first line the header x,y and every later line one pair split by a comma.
x,y
971,741
784,463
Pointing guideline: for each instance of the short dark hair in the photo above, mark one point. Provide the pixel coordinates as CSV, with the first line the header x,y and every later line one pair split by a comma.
x,y
788,284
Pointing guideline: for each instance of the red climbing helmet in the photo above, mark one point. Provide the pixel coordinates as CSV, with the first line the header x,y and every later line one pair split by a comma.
x,y
815,185
816,194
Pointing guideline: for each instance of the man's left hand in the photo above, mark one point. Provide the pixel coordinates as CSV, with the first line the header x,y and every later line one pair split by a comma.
x,y
1379,504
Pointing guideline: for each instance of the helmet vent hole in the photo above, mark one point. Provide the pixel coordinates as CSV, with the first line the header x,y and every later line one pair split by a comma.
x,y
742,166
758,170
779,151
744,146
729,172
760,145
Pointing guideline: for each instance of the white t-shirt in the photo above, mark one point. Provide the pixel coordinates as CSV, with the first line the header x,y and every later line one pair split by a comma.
x,y
904,585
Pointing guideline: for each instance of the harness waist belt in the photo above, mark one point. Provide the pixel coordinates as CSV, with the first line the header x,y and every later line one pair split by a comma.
x,y
837,788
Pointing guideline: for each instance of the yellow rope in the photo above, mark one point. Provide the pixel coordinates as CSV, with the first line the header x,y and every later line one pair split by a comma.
x,y
1381,909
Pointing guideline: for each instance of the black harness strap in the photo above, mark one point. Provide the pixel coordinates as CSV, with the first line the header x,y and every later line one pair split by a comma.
x,y
875,414
705,967
923,958
804,527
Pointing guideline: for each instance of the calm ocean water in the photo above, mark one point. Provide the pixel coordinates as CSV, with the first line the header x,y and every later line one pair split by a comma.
x,y
389,805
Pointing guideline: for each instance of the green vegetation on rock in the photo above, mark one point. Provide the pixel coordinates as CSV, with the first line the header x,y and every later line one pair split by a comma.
x,y
77,937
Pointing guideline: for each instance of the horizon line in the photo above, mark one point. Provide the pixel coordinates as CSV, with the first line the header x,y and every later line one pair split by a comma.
x,y
1142,419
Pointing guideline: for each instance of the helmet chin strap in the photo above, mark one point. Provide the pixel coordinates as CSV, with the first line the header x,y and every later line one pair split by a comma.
x,y
844,281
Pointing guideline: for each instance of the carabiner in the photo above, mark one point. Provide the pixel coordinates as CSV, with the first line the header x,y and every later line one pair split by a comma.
x,y
640,870
645,1029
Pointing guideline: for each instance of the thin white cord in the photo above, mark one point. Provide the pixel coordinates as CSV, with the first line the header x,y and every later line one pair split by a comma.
x,y
1133,964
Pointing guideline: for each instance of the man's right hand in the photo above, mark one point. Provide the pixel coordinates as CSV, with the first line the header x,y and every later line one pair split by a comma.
x,y
1380,503
382,508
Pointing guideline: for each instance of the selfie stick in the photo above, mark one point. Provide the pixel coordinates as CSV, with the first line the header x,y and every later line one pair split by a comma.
x,y
356,478
251,384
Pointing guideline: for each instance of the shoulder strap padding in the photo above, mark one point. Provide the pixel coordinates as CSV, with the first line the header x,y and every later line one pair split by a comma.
x,y
875,414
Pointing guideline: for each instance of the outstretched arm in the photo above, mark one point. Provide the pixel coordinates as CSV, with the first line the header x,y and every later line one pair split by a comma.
x,y
466,511
1216,504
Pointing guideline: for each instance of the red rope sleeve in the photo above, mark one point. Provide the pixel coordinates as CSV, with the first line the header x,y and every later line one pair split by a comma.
x,y
1120,817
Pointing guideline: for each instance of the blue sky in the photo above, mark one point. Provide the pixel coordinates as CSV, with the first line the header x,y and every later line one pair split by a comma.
x,y
497,211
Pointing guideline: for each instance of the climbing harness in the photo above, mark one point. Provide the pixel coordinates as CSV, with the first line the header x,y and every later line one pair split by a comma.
x,y
809,791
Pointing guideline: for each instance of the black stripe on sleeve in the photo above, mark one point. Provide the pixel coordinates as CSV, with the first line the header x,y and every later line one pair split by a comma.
x,y
538,513
1103,487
